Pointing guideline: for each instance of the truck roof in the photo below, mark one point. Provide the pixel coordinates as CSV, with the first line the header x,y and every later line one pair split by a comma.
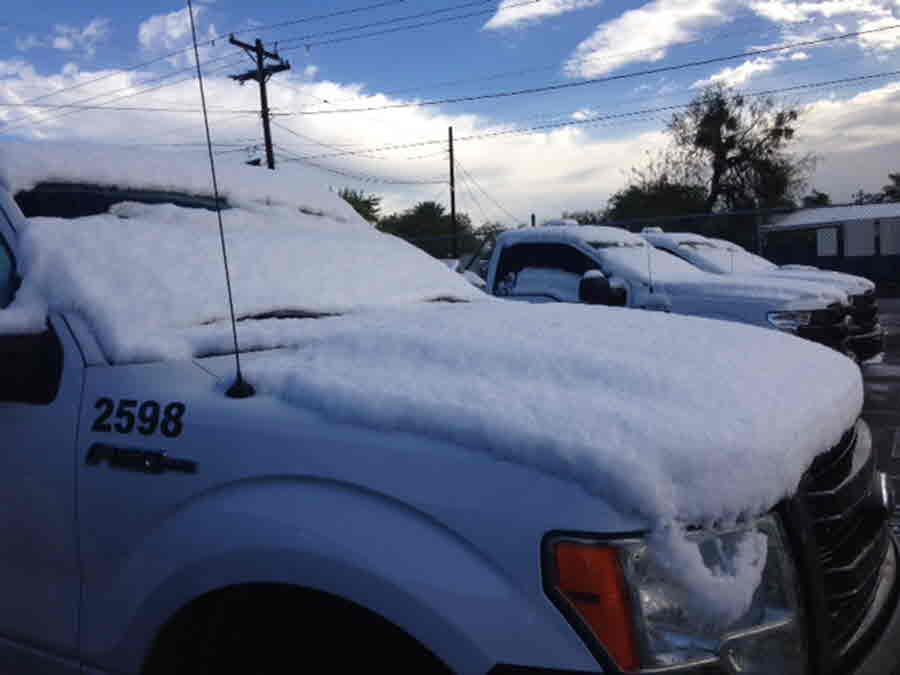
x,y
25,165
571,233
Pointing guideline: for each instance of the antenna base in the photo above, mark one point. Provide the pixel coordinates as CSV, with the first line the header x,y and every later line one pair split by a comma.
x,y
240,389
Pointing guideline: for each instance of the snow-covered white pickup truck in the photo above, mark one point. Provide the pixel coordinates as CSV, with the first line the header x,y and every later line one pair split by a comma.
x,y
610,266
865,335
425,479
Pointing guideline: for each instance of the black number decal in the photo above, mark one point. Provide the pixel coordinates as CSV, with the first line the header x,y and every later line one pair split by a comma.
x,y
171,423
106,407
148,414
123,412
150,417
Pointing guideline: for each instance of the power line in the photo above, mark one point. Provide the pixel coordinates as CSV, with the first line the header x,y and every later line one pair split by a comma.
x,y
342,147
553,66
423,24
26,121
467,175
601,118
609,78
290,156
473,198
178,52
18,123
57,106
384,22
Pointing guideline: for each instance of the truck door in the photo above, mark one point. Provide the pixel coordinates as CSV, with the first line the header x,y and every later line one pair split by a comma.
x,y
40,393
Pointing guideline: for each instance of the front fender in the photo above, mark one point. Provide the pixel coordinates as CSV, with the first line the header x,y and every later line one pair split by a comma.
x,y
336,538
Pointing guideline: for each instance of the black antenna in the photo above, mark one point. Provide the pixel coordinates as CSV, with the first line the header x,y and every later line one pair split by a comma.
x,y
240,388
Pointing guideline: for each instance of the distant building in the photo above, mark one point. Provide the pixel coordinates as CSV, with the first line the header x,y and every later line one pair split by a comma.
x,y
860,239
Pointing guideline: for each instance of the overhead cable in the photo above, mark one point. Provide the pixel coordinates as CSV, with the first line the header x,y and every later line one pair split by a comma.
x,y
608,78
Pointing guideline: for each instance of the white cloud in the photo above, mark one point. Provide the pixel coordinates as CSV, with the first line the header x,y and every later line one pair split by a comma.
x,y
167,31
883,41
857,138
645,34
172,31
788,11
69,38
310,72
514,12
738,75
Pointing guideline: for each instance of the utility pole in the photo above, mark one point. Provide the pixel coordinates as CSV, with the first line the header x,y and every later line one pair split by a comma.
x,y
453,197
261,74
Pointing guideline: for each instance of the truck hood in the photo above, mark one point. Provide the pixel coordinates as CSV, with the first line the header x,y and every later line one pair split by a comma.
x,y
672,418
756,290
850,283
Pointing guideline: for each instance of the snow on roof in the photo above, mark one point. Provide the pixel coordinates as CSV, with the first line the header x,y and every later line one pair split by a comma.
x,y
142,274
832,215
23,165
679,420
674,237
585,233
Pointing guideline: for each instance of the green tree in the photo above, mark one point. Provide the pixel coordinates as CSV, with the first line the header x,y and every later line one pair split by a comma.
x,y
428,226
892,192
738,148
368,206
586,217
654,197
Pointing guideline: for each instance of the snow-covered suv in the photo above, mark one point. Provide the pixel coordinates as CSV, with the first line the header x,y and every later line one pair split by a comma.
x,y
425,479
865,335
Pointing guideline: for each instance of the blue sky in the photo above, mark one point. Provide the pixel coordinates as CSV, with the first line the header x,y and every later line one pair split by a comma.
x,y
503,46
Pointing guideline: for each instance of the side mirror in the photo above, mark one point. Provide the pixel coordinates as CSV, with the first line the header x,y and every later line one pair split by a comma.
x,y
594,289
30,367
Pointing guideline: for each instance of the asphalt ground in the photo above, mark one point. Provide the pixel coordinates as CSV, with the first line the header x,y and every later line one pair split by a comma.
x,y
882,382
882,403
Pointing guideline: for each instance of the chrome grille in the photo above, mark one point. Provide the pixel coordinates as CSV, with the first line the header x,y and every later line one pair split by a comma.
x,y
864,309
849,533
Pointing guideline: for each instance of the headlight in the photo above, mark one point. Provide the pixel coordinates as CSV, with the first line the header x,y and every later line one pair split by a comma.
x,y
789,320
627,607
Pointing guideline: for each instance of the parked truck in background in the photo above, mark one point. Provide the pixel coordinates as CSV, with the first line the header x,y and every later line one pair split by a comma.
x,y
611,266
865,335
426,479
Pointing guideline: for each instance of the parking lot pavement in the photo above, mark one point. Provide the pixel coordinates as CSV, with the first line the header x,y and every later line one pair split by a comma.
x,y
882,406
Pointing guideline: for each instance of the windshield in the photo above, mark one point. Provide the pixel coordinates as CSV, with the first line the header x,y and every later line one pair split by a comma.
x,y
726,259
149,277
642,261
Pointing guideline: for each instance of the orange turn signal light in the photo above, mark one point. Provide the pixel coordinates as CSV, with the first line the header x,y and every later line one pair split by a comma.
x,y
590,578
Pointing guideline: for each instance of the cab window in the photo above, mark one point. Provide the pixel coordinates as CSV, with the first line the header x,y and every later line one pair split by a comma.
x,y
560,260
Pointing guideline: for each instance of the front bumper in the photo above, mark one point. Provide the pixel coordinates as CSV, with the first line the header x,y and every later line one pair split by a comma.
x,y
883,654
867,345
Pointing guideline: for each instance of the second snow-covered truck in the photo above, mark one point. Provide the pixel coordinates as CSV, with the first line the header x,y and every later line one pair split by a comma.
x,y
426,479
610,266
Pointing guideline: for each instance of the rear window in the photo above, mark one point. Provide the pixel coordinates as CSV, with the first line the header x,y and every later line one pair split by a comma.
x,y
70,200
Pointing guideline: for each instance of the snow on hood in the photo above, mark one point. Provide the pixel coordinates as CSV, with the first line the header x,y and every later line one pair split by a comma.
x,y
679,277
143,273
23,165
677,419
